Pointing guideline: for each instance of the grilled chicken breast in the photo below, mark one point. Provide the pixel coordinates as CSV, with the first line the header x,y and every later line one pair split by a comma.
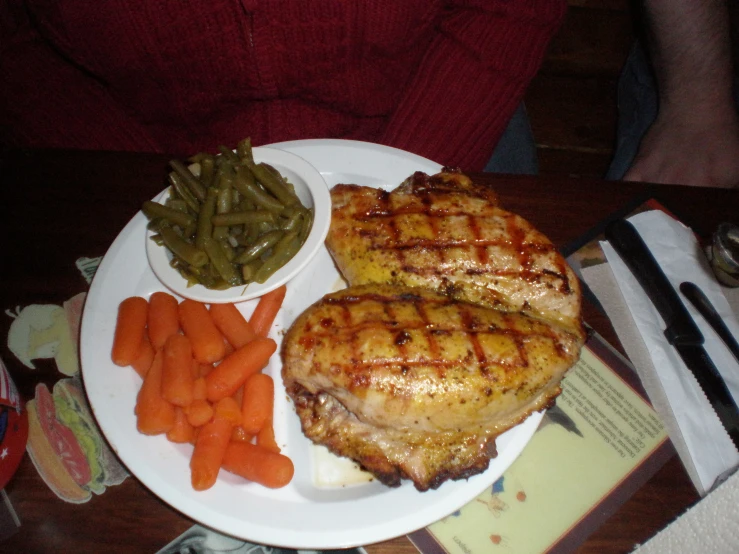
x,y
460,320
411,383
450,234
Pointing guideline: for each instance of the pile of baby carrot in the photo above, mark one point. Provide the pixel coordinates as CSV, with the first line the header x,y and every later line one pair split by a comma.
x,y
203,382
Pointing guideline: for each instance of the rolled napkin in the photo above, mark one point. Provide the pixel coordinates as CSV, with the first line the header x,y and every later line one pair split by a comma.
x,y
701,441
709,526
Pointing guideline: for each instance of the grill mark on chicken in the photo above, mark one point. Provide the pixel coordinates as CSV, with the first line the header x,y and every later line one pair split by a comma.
x,y
430,331
460,321
525,251
446,233
389,352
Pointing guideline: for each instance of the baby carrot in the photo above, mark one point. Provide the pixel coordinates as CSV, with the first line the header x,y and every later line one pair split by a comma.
x,y
129,330
195,368
163,319
142,363
154,415
204,369
207,342
266,437
199,412
181,431
227,408
210,448
199,389
238,434
266,310
234,326
257,464
225,378
258,402
177,379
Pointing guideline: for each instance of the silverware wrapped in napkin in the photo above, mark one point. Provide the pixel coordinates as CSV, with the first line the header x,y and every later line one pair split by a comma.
x,y
697,433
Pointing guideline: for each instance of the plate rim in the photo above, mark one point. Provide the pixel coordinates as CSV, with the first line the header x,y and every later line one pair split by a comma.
x,y
458,493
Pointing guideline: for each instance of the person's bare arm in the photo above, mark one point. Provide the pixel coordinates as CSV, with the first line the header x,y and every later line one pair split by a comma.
x,y
695,139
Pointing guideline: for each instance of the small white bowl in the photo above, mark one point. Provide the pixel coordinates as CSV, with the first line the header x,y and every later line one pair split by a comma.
x,y
313,193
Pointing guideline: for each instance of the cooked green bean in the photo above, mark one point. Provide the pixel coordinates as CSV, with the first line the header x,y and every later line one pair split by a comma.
x,y
250,234
232,221
220,262
223,202
306,226
281,253
183,193
205,226
274,185
181,248
177,204
192,182
240,218
246,184
243,149
248,271
207,171
156,210
292,222
260,246
229,155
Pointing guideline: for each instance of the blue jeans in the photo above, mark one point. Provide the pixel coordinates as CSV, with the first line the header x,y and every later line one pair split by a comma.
x,y
516,150
637,109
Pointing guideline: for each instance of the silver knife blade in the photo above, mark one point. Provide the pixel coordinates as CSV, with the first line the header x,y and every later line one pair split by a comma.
x,y
680,329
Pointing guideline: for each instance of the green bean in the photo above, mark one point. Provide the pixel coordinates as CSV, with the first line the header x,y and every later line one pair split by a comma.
x,y
249,235
281,253
306,226
240,218
223,202
181,248
260,246
274,185
228,250
292,222
229,155
207,171
177,204
244,150
231,221
153,210
220,262
248,271
279,177
246,184
205,226
183,193
224,185
192,182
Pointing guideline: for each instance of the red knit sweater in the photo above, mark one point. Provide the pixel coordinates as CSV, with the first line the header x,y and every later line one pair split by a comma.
x,y
439,78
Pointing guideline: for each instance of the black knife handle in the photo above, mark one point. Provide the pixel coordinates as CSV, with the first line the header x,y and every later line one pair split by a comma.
x,y
680,327
699,299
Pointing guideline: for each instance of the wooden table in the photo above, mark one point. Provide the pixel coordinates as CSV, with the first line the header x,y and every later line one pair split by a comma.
x,y
59,206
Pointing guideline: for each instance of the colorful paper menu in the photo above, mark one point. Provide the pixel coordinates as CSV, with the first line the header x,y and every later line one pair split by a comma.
x,y
592,450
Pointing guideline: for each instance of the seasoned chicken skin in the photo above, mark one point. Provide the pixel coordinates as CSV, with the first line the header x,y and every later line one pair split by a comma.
x,y
450,234
414,384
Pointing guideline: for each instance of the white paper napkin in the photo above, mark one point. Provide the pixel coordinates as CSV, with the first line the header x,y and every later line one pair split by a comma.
x,y
676,249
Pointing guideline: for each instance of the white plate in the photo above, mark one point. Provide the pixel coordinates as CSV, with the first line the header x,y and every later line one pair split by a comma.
x,y
301,515
313,193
